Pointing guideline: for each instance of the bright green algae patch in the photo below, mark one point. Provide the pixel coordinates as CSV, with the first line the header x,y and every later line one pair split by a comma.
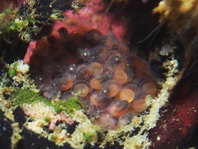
x,y
28,96
89,136
67,105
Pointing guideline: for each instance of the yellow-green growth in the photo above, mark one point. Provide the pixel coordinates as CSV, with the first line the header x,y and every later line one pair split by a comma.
x,y
12,72
27,96
12,69
88,136
67,105
53,138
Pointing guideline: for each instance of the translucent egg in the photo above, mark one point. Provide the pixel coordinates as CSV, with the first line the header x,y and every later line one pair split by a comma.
x,y
95,83
126,118
83,72
63,81
70,69
149,88
104,76
134,88
141,67
118,108
114,62
85,54
100,102
93,112
96,68
127,94
86,104
98,53
81,88
139,105
131,72
120,76
43,82
66,95
114,53
107,121
51,92
110,88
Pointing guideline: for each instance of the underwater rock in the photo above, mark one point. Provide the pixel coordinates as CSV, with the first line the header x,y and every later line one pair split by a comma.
x,y
6,131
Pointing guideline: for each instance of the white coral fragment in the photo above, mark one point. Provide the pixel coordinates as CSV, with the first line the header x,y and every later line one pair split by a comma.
x,y
21,67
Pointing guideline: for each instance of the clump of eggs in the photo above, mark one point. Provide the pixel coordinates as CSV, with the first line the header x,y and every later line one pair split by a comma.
x,y
111,82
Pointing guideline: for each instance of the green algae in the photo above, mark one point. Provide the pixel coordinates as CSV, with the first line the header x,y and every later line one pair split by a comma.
x,y
27,21
12,72
28,96
53,138
90,136
87,136
67,105
25,96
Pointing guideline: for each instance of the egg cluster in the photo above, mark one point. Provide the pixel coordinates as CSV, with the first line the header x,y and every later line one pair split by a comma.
x,y
111,82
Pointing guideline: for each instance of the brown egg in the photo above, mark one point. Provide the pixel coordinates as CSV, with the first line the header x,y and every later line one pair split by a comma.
x,y
139,105
110,88
96,68
105,76
126,118
149,88
113,53
82,72
93,112
63,81
120,76
98,53
51,92
95,99
118,108
66,85
95,83
107,121
100,101
84,54
66,95
81,89
112,62
127,94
